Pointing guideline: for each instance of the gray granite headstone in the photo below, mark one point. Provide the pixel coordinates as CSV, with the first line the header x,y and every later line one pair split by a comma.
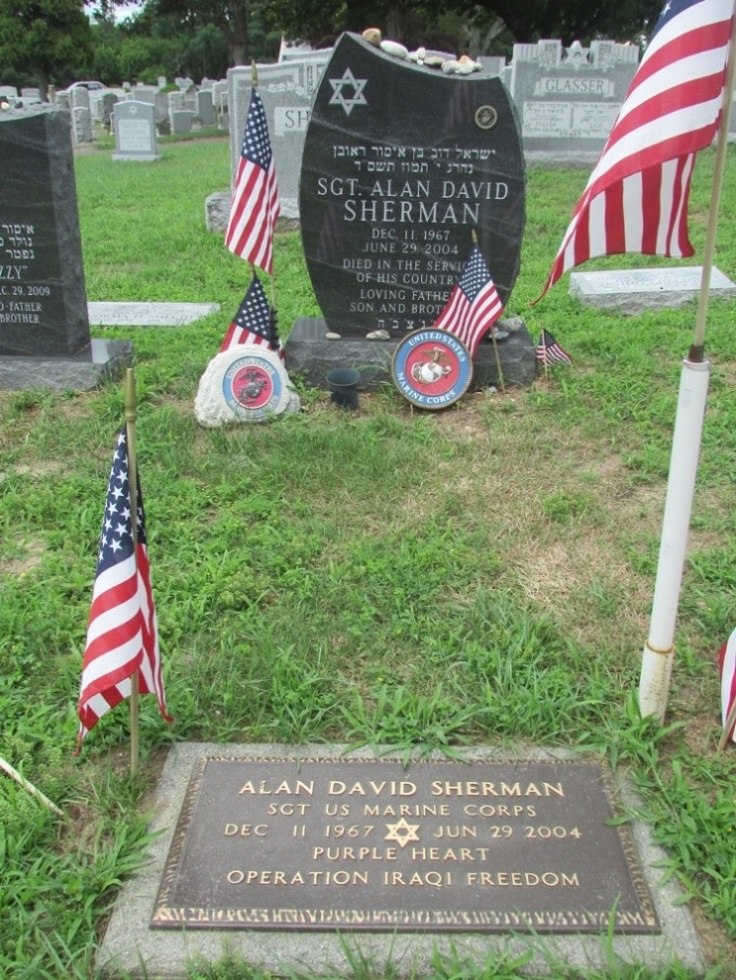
x,y
568,98
44,325
135,131
181,120
403,164
81,125
287,91
43,303
636,290
205,108
9,92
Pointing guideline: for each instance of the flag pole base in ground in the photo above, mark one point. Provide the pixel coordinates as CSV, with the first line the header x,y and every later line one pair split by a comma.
x,y
658,650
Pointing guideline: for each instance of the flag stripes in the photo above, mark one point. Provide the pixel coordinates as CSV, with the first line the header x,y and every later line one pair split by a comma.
x,y
255,206
474,304
122,633
636,199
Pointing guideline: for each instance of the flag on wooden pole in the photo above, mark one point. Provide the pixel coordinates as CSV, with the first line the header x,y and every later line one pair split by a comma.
x,y
474,304
254,323
122,634
548,350
637,196
255,206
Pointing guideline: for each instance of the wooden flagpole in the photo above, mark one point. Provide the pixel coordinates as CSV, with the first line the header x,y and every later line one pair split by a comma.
x,y
22,781
658,654
131,415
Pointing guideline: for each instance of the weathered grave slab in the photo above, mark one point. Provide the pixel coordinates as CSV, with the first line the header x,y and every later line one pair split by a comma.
x,y
568,98
401,165
134,124
148,314
310,355
636,290
295,856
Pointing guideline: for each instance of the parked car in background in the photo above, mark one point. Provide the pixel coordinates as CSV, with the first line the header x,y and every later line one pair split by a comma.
x,y
91,85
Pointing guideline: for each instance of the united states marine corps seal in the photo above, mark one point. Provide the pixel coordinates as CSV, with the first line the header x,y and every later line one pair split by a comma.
x,y
431,368
253,387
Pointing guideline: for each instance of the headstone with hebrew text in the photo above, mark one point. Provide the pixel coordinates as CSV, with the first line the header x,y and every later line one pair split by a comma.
x,y
403,164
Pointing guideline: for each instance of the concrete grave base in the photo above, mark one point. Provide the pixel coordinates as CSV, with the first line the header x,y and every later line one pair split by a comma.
x,y
131,948
310,356
101,361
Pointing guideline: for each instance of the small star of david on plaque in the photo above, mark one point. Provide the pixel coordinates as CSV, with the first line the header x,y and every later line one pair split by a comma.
x,y
357,85
402,832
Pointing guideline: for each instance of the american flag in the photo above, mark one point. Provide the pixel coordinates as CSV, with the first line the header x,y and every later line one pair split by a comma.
x,y
637,196
548,350
727,664
122,634
254,322
255,206
474,304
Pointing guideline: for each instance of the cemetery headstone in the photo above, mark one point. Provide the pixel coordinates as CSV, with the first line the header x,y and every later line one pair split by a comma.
x,y
135,131
402,164
287,91
181,120
9,92
44,326
568,98
205,108
81,125
276,851
635,290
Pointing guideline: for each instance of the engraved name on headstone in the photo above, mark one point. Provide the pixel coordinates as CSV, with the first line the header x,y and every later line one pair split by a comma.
x,y
402,163
287,90
43,303
568,98
371,845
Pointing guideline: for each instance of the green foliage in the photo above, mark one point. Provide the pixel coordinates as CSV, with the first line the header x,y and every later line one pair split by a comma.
x,y
49,40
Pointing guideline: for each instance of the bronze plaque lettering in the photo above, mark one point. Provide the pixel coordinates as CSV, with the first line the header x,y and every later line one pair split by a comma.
x,y
372,845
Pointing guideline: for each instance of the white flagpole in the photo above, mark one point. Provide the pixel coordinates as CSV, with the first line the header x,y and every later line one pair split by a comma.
x,y
659,651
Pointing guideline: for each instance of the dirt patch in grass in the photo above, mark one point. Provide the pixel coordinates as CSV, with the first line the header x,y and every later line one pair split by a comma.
x,y
33,552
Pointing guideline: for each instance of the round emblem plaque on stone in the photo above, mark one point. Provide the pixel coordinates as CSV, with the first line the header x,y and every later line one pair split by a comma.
x,y
431,368
248,383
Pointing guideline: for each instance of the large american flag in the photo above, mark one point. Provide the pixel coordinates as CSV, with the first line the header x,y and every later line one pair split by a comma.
x,y
254,322
474,304
122,634
255,205
636,198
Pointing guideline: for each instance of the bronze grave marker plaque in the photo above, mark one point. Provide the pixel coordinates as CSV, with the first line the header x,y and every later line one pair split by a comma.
x,y
370,845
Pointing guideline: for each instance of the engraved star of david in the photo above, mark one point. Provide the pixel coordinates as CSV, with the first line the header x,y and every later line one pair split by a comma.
x,y
402,832
357,84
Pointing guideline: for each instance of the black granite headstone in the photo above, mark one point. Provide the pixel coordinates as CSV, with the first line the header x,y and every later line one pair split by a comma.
x,y
43,301
401,164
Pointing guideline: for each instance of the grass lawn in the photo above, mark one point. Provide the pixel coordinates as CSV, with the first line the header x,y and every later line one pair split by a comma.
x,y
479,575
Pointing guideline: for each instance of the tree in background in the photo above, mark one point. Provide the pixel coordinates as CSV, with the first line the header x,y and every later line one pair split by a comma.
x,y
415,22
44,42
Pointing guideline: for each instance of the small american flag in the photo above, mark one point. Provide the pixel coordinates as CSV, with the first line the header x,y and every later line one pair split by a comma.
x,y
122,634
548,350
474,304
255,206
254,322
727,664
637,196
